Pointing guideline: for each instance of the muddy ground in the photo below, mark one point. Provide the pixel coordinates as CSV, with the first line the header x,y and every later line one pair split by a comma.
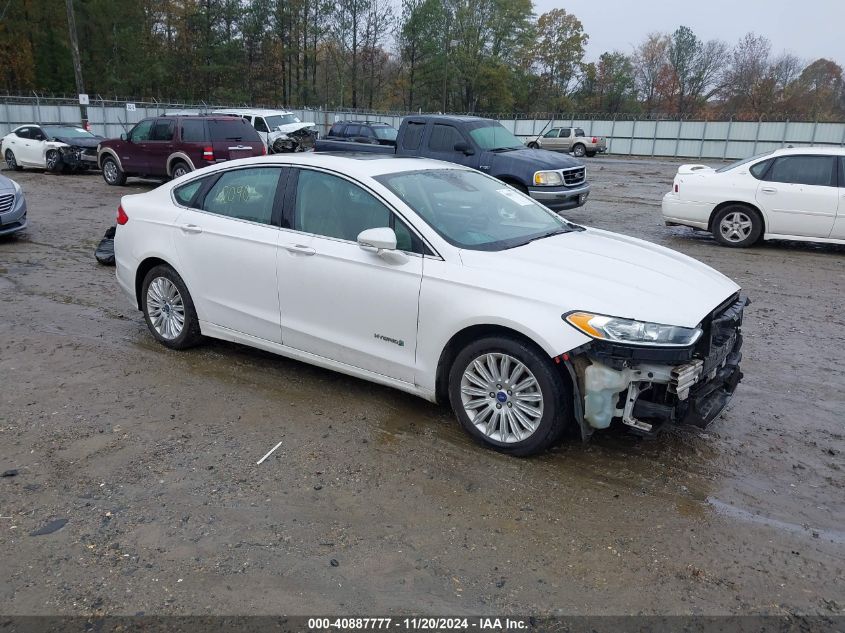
x,y
150,455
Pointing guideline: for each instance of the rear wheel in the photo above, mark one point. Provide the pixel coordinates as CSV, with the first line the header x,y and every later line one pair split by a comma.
x,y
180,168
168,309
112,173
54,161
579,150
737,226
11,162
508,396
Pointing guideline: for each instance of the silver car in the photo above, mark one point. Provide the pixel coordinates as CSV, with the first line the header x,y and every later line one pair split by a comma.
x,y
12,207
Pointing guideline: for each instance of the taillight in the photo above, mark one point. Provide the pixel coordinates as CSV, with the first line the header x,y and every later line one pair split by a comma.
x,y
677,188
122,218
595,139
208,153
263,149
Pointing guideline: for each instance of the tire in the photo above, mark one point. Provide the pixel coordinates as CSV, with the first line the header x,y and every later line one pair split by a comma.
x,y
54,162
179,168
579,150
112,173
590,154
11,161
164,297
533,145
737,226
525,428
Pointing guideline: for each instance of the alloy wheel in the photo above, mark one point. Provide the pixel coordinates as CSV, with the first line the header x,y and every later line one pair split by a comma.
x,y
501,397
52,159
110,171
165,308
736,226
11,163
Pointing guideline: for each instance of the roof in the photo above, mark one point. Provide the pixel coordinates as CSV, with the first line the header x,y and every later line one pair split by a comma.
x,y
250,111
362,123
464,118
829,149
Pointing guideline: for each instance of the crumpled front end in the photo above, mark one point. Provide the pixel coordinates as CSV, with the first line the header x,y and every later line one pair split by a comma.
x,y
645,388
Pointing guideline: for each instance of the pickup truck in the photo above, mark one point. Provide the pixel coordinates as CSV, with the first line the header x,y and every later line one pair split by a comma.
x,y
570,139
559,182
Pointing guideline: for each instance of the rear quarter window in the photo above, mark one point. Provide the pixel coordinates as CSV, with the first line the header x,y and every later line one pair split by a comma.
x,y
235,130
193,131
759,170
186,193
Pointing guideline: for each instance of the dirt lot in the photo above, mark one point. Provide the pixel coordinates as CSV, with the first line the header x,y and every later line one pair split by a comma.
x,y
376,501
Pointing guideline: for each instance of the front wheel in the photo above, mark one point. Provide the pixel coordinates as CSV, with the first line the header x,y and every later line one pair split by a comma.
x,y
579,150
112,173
54,161
508,396
11,162
168,309
533,145
737,226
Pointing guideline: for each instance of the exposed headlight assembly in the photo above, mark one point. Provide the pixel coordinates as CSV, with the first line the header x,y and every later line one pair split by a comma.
x,y
630,332
548,178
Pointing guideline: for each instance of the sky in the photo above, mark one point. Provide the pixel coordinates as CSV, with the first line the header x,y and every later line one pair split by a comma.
x,y
807,28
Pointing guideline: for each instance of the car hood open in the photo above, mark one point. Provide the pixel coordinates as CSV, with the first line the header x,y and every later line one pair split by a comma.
x,y
606,273
77,141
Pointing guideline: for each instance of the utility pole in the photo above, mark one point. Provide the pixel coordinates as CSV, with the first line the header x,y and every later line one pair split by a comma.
x,y
77,64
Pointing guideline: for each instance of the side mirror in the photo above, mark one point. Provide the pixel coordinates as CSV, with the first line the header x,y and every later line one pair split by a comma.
x,y
124,137
464,148
377,240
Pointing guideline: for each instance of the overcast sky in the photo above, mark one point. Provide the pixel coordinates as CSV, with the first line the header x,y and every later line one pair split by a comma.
x,y
808,28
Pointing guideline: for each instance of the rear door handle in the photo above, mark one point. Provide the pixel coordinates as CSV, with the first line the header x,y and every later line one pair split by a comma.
x,y
301,249
191,228
769,190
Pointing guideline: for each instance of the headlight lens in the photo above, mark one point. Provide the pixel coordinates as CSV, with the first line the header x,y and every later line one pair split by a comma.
x,y
632,332
548,178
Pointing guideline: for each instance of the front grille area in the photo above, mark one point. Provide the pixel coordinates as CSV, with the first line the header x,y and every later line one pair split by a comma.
x,y
574,176
721,331
7,201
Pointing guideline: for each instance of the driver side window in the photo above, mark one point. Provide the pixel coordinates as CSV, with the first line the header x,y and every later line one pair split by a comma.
x,y
141,132
552,133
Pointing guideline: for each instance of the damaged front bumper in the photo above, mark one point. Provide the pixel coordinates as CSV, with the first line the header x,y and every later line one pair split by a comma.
x,y
647,387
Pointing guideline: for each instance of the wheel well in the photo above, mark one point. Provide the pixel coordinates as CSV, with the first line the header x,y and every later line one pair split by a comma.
x,y
465,337
730,203
172,162
510,180
143,268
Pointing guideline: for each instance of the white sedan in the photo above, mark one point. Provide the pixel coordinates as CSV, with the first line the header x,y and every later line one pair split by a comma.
x,y
788,194
52,146
440,281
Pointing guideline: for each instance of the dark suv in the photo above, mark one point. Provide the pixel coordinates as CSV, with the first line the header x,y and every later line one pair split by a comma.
x,y
374,132
171,146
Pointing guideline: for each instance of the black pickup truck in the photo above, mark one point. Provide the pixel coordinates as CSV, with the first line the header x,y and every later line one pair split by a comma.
x,y
556,180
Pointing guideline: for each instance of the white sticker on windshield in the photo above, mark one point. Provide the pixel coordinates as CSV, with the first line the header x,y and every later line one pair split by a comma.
x,y
516,197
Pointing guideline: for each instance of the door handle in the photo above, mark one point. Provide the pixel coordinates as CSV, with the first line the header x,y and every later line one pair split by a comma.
x,y
769,190
191,228
300,249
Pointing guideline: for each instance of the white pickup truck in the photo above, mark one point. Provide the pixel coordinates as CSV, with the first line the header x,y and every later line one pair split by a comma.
x,y
570,139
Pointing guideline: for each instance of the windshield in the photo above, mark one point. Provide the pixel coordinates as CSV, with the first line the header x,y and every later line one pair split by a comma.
x,y
280,119
739,163
473,211
494,137
66,131
385,133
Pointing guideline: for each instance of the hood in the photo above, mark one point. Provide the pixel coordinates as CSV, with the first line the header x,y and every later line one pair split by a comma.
x,y
534,159
6,185
79,142
289,128
607,273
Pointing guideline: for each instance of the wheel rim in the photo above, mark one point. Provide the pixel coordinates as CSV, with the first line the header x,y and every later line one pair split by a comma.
x,y
736,226
502,397
52,159
110,171
165,308
579,151
179,171
11,163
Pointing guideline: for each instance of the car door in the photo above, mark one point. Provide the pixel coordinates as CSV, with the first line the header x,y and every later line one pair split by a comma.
x,y
25,147
564,143
799,195
550,139
133,157
227,241
339,301
838,231
160,146
441,142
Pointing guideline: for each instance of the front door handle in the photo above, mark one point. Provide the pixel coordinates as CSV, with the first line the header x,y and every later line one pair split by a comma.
x,y
769,190
300,249
191,228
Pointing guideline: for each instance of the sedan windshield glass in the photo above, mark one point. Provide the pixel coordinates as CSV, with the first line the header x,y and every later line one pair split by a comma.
x,y
473,211
66,131
742,162
280,119
493,137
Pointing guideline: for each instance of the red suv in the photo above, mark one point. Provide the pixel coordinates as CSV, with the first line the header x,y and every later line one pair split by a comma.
x,y
171,146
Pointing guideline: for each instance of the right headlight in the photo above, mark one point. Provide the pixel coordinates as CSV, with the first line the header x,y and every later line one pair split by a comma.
x,y
548,178
631,332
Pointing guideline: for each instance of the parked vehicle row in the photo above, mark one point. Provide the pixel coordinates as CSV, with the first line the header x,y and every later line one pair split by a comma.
x,y
559,182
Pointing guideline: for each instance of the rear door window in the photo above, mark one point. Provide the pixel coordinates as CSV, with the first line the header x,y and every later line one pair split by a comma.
x,y
413,135
193,130
162,130
804,170
352,130
565,133
245,194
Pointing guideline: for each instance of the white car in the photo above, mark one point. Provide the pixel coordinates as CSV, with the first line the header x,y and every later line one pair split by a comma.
x,y
281,130
787,194
52,146
438,280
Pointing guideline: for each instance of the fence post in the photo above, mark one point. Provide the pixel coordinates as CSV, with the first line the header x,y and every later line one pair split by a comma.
x,y
757,135
633,136
815,129
612,128
654,138
701,144
727,138
678,136
842,140
785,128
103,110
34,111
9,122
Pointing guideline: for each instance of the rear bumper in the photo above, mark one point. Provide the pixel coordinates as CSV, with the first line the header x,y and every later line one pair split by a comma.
x,y
561,198
685,213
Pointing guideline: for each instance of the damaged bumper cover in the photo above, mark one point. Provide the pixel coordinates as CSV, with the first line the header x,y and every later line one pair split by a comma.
x,y
647,387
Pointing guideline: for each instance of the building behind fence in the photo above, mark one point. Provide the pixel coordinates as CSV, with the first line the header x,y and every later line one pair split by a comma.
x,y
719,140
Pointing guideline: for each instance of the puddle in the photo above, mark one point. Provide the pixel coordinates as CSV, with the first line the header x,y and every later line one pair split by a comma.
x,y
726,509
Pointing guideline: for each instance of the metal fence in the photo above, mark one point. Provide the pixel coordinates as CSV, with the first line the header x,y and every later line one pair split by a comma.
x,y
710,140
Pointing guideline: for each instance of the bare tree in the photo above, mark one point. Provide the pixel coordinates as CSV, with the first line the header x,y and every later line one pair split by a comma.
x,y
650,61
